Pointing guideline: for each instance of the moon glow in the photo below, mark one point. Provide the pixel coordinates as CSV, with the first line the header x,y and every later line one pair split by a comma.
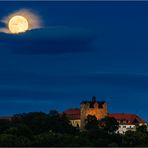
x,y
20,21
18,24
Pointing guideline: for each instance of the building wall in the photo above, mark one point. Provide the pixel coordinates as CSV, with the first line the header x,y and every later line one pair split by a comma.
x,y
96,110
124,128
76,122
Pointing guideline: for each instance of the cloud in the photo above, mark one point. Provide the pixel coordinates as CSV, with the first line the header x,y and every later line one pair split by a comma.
x,y
103,83
122,81
49,40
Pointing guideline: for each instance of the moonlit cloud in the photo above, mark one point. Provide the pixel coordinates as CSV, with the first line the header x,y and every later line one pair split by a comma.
x,y
52,40
34,21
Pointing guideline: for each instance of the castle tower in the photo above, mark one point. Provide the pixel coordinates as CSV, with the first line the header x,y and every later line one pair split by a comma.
x,y
94,108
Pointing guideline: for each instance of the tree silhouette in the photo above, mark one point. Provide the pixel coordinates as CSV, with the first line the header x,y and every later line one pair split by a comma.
x,y
109,124
91,122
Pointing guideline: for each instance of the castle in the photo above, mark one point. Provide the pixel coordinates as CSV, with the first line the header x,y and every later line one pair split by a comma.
x,y
95,108
99,109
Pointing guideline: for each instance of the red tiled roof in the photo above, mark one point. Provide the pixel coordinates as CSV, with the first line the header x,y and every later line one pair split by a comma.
x,y
128,117
73,113
131,118
5,117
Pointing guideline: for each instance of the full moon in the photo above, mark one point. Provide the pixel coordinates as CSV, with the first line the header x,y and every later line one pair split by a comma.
x,y
18,24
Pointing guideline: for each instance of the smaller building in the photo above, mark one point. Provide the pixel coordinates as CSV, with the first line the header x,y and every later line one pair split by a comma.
x,y
123,128
74,116
127,122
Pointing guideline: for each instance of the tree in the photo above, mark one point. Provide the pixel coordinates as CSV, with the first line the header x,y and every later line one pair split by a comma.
x,y
53,113
23,141
135,139
91,122
61,124
7,140
37,121
4,124
19,130
142,128
109,124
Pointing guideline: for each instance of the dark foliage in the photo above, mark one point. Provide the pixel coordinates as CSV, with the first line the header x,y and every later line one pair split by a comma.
x,y
109,124
38,129
91,122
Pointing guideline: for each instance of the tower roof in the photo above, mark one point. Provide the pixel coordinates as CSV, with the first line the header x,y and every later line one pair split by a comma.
x,y
94,100
99,102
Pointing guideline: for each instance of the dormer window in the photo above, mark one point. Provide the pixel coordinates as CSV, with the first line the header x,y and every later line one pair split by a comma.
x,y
100,105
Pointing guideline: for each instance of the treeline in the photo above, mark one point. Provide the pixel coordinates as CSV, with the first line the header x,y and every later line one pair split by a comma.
x,y
38,129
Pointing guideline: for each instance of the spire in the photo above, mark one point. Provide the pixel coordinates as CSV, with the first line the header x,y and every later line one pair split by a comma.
x,y
93,99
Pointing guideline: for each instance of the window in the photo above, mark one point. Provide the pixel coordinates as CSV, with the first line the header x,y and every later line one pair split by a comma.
x,y
91,105
124,121
100,105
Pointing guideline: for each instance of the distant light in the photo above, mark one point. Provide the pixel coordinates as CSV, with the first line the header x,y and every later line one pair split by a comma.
x,y
18,24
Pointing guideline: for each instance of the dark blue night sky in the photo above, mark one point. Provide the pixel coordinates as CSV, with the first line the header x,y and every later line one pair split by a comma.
x,y
84,49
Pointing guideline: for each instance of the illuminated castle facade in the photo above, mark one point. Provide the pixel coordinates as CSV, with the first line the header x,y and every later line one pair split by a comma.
x,y
95,108
99,109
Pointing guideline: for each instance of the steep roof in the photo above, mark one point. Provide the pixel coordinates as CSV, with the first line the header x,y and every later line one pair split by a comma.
x,y
131,118
73,114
